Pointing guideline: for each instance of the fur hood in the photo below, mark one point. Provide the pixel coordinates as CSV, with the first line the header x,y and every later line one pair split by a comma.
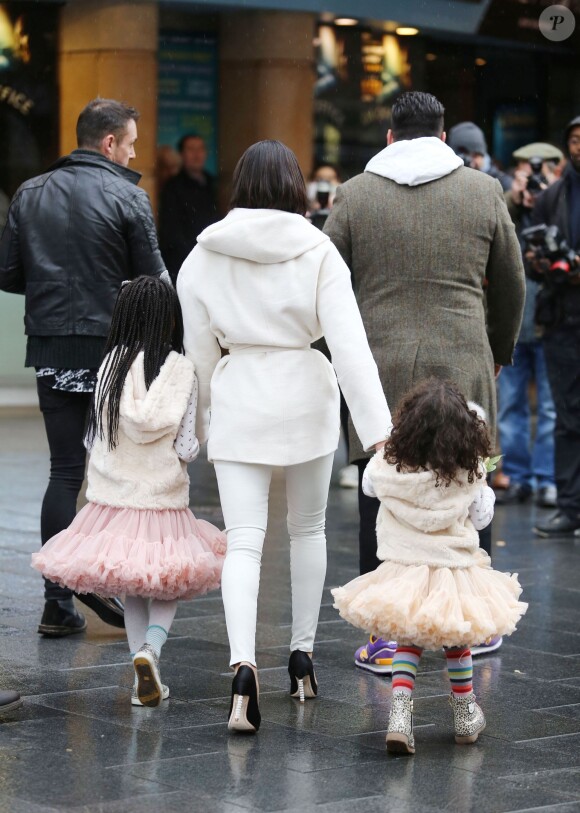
x,y
422,523
415,499
143,471
265,236
146,415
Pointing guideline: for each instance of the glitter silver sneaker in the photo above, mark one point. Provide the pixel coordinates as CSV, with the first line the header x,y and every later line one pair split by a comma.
x,y
400,738
149,686
468,718
135,698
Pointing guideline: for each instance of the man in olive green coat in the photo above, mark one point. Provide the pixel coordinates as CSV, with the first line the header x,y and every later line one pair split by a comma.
x,y
431,248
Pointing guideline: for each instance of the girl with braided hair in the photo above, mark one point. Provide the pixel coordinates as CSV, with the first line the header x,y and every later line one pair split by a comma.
x,y
137,535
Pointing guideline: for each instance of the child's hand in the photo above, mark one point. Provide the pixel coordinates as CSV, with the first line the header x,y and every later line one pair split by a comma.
x,y
367,485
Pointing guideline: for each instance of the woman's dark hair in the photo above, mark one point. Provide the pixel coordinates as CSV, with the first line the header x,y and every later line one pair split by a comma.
x,y
268,176
415,115
103,117
147,317
433,428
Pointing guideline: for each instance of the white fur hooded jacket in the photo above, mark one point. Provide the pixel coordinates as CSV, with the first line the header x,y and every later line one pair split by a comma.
x,y
144,471
420,523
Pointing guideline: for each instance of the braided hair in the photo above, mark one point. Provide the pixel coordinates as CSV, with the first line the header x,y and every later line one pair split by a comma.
x,y
147,317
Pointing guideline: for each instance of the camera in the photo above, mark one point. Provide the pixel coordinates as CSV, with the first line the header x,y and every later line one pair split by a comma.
x,y
465,156
536,181
323,190
547,243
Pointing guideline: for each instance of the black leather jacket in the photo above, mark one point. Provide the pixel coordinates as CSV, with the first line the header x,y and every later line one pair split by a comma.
x,y
72,236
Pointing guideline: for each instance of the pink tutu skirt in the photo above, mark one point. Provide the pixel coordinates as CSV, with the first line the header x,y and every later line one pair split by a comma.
x,y
155,554
432,607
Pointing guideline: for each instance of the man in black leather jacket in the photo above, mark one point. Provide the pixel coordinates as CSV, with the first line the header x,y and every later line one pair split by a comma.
x,y
558,313
73,235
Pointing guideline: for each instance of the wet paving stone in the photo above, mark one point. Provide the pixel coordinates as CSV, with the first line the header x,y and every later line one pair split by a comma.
x,y
78,746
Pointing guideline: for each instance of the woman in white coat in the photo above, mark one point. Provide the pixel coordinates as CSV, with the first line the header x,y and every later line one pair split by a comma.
x,y
264,284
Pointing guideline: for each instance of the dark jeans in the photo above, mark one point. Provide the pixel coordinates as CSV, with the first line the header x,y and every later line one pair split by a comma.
x,y
562,353
65,417
368,508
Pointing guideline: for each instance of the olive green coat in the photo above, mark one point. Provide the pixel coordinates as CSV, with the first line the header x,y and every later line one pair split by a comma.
x,y
423,260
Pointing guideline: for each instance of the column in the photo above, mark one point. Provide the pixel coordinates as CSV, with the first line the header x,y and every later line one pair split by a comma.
x,y
108,48
266,86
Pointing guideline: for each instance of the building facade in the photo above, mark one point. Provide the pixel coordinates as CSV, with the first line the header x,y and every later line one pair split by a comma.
x,y
320,76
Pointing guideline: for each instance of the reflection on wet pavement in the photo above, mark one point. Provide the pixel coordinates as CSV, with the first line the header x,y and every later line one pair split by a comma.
x,y
78,745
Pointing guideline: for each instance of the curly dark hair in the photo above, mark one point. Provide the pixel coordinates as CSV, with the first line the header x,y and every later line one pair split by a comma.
x,y
434,428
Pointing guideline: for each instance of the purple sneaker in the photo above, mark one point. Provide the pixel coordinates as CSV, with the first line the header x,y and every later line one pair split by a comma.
x,y
376,656
489,646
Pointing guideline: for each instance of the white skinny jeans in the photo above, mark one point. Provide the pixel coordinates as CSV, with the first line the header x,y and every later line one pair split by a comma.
x,y
244,489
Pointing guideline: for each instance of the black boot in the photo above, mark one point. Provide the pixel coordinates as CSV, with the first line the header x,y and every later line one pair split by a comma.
x,y
61,618
109,610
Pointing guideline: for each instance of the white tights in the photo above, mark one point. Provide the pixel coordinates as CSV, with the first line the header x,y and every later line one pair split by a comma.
x,y
244,489
141,613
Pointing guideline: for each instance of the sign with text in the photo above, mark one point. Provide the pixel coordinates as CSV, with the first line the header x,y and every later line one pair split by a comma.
x,y
188,78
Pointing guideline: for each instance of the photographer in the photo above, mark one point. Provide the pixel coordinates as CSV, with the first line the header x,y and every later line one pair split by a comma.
x,y
556,265
321,191
528,464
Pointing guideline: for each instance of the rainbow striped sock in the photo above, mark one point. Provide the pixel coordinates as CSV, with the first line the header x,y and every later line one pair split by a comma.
x,y
405,664
460,670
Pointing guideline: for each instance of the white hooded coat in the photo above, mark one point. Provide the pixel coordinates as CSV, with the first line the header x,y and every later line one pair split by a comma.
x,y
143,471
421,523
264,284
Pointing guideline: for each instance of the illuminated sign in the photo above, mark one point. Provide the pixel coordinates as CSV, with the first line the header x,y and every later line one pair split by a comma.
x,y
14,43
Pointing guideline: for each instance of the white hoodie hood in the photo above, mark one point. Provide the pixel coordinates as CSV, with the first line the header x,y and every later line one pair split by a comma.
x,y
261,235
415,162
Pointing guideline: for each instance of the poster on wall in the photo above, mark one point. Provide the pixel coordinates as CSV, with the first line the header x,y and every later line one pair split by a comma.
x,y
188,79
28,92
514,124
360,73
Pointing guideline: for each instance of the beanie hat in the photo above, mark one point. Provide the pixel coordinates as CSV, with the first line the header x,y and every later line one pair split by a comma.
x,y
467,137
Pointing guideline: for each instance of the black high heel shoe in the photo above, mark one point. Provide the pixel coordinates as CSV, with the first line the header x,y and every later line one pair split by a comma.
x,y
244,710
302,678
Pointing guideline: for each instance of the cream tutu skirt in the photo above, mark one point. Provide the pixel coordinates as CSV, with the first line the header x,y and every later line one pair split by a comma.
x,y
155,554
432,607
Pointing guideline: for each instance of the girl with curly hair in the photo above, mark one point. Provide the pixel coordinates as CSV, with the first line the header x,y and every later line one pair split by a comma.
x,y
435,587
